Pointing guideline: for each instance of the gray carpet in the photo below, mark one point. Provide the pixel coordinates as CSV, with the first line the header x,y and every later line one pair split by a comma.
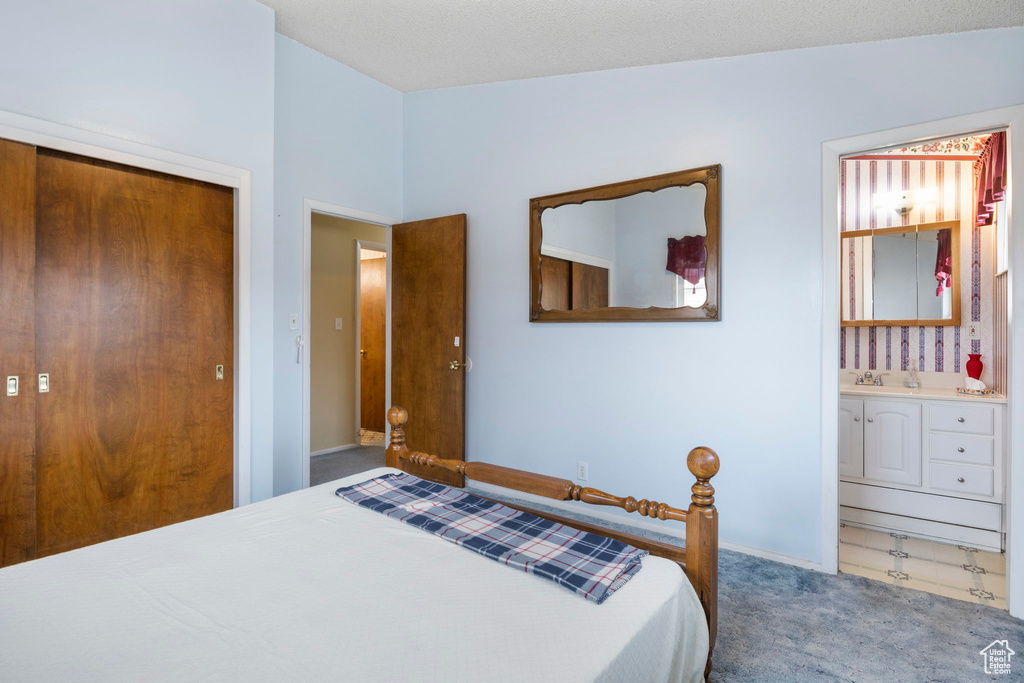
x,y
778,623
324,468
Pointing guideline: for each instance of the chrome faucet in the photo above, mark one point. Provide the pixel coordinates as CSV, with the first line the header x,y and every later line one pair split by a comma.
x,y
867,377
878,378
860,378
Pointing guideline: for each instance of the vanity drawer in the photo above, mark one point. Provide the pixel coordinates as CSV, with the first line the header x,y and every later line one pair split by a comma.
x,y
973,450
974,481
963,419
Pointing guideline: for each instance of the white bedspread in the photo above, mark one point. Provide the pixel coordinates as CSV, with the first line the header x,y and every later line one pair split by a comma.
x,y
308,587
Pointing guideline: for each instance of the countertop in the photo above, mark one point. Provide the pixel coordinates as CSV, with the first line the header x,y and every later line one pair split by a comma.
x,y
944,393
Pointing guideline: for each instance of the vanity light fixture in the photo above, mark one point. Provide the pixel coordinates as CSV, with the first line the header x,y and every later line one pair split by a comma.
x,y
904,201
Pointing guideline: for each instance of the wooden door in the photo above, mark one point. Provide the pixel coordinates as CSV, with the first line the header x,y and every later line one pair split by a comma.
x,y
373,277
17,351
428,317
555,283
134,308
589,286
851,437
892,442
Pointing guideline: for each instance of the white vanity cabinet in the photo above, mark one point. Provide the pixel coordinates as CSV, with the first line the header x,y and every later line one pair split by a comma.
x,y
926,465
851,437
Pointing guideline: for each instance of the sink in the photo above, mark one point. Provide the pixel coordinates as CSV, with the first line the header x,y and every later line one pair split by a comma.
x,y
873,389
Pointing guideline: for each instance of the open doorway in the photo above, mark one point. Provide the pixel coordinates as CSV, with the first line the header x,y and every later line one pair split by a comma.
x,y
923,365
347,346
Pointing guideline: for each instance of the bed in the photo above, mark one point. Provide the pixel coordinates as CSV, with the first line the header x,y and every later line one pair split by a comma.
x,y
307,586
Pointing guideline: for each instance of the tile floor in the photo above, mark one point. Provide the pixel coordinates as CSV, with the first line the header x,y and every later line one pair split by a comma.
x,y
955,571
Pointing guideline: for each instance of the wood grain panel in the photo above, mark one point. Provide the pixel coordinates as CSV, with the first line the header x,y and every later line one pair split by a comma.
x,y
556,283
17,351
134,308
589,286
428,310
373,277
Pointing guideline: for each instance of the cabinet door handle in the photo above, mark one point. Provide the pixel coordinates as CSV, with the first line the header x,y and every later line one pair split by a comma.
x,y
959,419
960,450
871,419
856,419
960,479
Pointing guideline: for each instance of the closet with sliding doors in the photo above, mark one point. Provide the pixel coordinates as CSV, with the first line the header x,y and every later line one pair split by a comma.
x,y
116,350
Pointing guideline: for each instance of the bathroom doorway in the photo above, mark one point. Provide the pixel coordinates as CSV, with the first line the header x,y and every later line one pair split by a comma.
x,y
923,337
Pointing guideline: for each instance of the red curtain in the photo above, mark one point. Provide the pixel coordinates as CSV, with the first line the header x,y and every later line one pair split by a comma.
x,y
990,175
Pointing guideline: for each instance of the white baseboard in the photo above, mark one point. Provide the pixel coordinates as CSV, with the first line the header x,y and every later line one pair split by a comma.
x,y
336,449
773,556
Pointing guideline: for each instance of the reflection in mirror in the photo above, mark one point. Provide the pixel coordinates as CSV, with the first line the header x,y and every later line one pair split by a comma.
x,y
891,276
638,251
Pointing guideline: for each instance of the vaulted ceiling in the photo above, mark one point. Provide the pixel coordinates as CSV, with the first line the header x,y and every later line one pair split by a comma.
x,y
426,44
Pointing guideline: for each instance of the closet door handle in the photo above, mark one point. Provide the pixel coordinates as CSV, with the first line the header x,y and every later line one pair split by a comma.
x,y
44,382
12,385
959,419
960,450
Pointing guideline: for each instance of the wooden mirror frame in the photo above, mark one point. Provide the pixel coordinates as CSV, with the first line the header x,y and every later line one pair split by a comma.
x,y
709,176
956,290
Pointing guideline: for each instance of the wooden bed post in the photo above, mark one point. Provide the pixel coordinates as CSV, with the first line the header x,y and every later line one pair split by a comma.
x,y
397,417
702,539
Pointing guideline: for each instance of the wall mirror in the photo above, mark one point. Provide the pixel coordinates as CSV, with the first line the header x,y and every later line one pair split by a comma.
x,y
646,249
907,275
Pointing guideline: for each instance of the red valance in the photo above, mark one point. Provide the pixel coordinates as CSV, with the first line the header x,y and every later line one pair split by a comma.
x,y
687,257
990,173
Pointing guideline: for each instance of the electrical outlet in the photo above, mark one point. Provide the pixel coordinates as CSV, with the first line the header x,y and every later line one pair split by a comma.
x,y
973,331
582,470
337,323
293,321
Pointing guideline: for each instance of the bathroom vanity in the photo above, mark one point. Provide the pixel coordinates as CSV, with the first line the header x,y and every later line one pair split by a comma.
x,y
925,461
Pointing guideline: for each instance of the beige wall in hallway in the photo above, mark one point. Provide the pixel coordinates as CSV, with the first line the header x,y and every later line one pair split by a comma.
x,y
333,377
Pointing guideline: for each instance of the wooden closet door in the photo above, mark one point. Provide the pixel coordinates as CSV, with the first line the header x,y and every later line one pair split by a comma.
x,y
134,308
17,351
373,279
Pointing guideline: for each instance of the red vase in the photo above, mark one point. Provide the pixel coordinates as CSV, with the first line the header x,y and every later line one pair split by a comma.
x,y
974,365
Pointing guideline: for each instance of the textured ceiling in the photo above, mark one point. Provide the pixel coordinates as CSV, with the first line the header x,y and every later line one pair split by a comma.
x,y
426,44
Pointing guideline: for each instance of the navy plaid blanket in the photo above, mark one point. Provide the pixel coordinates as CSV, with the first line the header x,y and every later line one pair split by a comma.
x,y
592,566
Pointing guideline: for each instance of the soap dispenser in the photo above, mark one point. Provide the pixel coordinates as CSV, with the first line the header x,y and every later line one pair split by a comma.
x,y
911,381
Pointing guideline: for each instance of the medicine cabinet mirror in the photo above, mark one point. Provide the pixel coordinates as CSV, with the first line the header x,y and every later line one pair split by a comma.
x,y
906,275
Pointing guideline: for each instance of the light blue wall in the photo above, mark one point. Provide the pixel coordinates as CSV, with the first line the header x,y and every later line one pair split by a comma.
x,y
633,398
189,76
338,139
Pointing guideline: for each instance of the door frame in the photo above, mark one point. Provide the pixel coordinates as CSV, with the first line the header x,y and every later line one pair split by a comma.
x,y
372,246
1012,119
309,207
72,140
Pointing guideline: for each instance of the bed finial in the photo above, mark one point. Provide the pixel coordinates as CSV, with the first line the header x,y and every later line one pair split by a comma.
x,y
703,463
397,417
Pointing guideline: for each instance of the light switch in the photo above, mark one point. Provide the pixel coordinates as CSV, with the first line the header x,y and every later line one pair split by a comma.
x,y
44,382
293,321
337,323
12,385
457,341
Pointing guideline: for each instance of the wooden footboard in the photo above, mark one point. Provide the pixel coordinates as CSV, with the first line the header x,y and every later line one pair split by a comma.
x,y
698,558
